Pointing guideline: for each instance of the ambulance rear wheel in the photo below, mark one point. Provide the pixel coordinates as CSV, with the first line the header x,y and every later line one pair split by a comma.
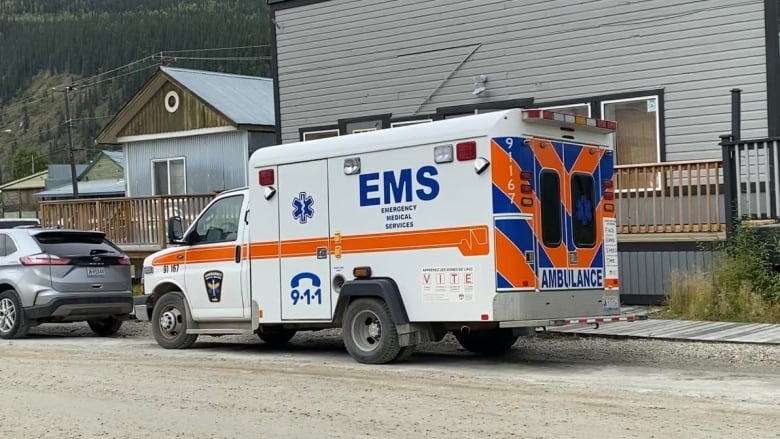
x,y
276,337
370,335
169,323
487,342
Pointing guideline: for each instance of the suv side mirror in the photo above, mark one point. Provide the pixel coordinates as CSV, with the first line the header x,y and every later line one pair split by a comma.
x,y
175,230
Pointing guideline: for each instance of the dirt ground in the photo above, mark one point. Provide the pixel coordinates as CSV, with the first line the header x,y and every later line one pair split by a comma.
x,y
68,384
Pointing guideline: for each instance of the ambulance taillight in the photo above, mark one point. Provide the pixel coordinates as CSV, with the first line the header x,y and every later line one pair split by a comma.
x,y
266,177
466,151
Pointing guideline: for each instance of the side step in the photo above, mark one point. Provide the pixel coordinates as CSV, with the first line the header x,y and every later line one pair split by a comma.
x,y
237,327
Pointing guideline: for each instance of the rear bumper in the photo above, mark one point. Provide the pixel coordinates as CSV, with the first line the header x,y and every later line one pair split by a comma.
x,y
560,305
88,305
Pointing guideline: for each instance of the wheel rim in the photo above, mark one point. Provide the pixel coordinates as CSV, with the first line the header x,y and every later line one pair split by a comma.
x,y
366,330
7,315
171,322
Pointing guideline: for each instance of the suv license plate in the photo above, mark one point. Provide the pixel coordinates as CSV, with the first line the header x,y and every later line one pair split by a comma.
x,y
96,271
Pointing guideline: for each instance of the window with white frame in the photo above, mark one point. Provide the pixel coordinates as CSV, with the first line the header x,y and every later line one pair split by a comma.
x,y
314,135
638,134
363,130
409,122
169,176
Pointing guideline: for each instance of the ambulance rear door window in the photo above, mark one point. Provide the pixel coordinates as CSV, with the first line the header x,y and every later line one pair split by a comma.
x,y
550,184
583,210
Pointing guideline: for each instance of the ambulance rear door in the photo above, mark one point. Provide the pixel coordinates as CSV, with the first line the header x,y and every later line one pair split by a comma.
x,y
571,187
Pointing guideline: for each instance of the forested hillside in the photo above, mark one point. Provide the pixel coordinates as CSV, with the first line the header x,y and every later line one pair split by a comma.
x,y
106,50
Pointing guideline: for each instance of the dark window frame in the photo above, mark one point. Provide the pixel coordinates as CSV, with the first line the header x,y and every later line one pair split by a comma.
x,y
311,129
544,202
443,112
420,117
591,228
595,109
384,120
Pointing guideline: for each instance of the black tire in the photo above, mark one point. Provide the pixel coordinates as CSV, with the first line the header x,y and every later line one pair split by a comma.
x,y
488,342
276,337
169,322
105,327
12,321
370,335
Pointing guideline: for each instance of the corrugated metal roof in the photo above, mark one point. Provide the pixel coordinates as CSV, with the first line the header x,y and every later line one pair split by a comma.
x,y
62,171
34,181
105,187
117,157
246,100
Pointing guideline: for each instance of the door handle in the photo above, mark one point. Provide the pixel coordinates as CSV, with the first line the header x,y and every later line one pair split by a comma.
x,y
238,253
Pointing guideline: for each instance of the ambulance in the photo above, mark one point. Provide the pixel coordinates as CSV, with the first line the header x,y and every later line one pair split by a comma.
x,y
486,226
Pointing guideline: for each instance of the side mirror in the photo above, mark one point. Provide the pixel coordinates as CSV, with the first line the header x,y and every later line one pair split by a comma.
x,y
175,230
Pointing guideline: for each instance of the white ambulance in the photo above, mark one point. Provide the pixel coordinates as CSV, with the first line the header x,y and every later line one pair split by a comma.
x,y
488,226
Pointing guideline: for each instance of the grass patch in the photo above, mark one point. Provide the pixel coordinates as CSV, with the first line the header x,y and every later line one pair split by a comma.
x,y
741,285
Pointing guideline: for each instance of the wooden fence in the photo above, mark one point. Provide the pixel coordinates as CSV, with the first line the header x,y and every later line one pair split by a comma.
x,y
126,221
672,197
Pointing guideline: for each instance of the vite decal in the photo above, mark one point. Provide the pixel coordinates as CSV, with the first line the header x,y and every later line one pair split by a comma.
x,y
302,207
213,281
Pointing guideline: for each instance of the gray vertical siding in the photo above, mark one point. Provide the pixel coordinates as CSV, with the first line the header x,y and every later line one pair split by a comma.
x,y
646,269
344,58
213,162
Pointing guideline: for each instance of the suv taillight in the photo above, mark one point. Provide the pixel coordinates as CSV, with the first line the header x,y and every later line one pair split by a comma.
x,y
44,259
124,260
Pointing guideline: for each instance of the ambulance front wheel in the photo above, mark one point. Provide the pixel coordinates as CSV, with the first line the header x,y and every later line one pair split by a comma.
x,y
169,322
370,335
487,342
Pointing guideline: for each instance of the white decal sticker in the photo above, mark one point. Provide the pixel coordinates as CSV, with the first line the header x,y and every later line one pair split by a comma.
x,y
571,278
611,303
610,248
448,284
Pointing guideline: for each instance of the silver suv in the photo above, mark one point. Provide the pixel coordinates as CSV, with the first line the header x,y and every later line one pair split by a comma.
x,y
56,275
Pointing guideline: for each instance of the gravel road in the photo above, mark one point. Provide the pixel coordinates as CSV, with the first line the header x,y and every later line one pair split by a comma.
x,y
61,382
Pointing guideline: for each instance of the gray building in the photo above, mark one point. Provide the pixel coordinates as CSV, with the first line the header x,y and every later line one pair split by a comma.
x,y
192,131
662,69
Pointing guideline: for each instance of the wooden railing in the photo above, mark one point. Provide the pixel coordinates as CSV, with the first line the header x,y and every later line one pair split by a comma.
x,y
126,221
672,197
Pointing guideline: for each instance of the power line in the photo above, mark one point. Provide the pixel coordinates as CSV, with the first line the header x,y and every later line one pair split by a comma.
x,y
79,81
91,118
118,76
214,49
231,58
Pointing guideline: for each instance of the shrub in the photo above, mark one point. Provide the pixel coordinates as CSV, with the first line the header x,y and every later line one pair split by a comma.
x,y
741,285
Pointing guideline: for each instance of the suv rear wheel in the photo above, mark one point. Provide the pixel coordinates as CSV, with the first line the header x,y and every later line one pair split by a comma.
x,y
105,327
12,322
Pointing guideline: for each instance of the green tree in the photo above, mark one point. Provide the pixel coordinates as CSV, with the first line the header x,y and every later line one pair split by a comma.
x,y
28,161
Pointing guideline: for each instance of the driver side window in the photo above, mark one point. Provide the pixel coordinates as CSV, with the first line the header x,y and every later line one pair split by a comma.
x,y
220,222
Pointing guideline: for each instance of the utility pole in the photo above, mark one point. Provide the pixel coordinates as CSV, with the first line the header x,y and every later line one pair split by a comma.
x,y
71,155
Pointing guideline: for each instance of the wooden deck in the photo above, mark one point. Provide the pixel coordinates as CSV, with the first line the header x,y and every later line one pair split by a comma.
x,y
137,225
678,201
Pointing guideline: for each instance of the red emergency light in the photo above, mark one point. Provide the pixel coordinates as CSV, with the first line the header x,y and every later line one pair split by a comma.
x,y
266,177
547,115
466,150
